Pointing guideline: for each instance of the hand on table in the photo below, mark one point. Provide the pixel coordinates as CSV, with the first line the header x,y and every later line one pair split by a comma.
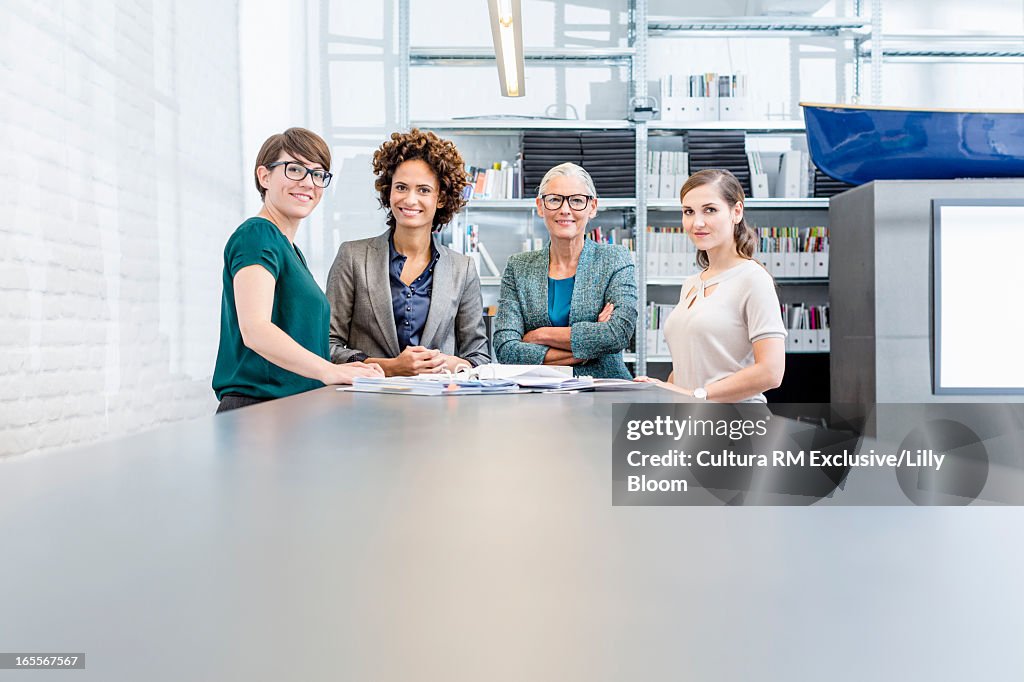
x,y
664,384
344,374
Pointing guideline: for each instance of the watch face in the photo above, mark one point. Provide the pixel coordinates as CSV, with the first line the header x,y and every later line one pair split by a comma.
x,y
700,393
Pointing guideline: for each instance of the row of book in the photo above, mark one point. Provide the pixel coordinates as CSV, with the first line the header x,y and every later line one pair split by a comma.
x,y
705,97
466,240
789,239
614,235
794,263
666,173
654,325
708,84
503,180
670,253
783,251
798,264
807,327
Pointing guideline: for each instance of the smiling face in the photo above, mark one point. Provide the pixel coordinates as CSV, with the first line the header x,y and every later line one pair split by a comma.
x,y
565,223
293,199
414,195
709,220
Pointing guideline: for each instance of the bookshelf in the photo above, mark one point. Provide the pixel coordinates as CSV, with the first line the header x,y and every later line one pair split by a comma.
x,y
639,210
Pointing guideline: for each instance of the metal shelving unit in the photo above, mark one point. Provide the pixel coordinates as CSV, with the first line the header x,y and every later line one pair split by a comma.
x,y
675,281
484,56
667,359
751,203
528,203
929,46
780,126
776,26
490,126
640,28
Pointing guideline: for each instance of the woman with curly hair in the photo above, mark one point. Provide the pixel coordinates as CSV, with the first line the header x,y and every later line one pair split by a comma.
x,y
401,299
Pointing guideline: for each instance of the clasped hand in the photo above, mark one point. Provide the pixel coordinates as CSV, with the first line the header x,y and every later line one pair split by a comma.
x,y
422,360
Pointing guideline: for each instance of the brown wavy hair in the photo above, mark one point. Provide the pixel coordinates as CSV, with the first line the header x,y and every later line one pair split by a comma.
x,y
442,157
731,192
299,143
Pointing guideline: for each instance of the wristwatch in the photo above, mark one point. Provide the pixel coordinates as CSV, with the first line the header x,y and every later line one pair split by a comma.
x,y
700,393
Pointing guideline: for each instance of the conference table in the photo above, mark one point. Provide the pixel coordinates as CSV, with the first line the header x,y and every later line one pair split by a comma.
x,y
351,536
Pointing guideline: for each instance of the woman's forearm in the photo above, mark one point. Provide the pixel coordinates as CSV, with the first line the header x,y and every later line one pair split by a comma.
x,y
552,337
270,342
386,364
745,383
557,356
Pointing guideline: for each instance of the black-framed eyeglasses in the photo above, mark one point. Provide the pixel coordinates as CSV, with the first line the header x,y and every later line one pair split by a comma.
x,y
296,171
577,202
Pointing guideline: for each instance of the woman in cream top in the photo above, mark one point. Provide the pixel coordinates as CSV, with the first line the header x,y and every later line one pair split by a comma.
x,y
726,335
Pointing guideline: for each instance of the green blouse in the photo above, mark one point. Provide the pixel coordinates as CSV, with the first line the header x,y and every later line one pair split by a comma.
x,y
300,309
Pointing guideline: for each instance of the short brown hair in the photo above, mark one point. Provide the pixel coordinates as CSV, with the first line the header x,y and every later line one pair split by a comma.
x,y
297,142
731,192
442,157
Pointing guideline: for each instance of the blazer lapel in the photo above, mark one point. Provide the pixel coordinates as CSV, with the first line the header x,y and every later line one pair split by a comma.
x,y
378,279
440,311
576,312
540,274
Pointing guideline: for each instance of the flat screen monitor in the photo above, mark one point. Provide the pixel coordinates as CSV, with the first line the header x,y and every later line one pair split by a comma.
x,y
978,296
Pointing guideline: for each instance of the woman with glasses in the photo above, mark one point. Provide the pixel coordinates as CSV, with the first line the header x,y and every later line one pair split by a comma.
x,y
401,299
574,301
274,318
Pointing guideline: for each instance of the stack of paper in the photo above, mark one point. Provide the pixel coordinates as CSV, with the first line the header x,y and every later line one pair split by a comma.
x,y
426,384
608,385
554,378
531,376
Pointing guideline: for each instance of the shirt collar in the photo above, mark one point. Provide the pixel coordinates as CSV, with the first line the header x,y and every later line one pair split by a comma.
x,y
394,255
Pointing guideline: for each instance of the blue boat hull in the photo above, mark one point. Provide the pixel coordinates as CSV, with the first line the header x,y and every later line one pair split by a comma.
x,y
858,145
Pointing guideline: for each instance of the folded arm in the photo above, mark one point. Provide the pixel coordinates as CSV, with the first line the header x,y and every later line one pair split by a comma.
x,y
594,339
509,328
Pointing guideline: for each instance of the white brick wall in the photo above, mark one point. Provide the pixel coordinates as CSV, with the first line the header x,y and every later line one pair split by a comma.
x,y
122,178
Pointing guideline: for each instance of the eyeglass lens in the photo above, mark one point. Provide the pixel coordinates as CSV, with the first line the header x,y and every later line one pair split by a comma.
x,y
577,202
295,171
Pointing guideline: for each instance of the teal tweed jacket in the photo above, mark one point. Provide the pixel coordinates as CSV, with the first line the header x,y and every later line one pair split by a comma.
x,y
604,274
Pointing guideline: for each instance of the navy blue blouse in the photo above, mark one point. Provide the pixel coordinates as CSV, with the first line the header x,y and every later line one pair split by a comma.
x,y
410,303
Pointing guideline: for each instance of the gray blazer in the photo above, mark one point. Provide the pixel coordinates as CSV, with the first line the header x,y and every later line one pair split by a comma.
x,y
604,274
362,320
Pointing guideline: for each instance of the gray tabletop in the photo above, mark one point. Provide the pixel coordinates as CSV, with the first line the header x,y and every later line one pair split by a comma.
x,y
339,536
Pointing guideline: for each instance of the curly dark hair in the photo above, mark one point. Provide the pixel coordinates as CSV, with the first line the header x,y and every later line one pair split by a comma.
x,y
442,157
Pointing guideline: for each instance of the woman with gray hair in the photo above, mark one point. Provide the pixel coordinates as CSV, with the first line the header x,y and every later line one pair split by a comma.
x,y
574,301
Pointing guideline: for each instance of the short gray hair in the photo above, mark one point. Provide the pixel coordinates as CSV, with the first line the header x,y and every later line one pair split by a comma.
x,y
567,170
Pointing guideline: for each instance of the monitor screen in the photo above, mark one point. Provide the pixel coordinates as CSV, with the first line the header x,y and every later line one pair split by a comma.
x,y
978,296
